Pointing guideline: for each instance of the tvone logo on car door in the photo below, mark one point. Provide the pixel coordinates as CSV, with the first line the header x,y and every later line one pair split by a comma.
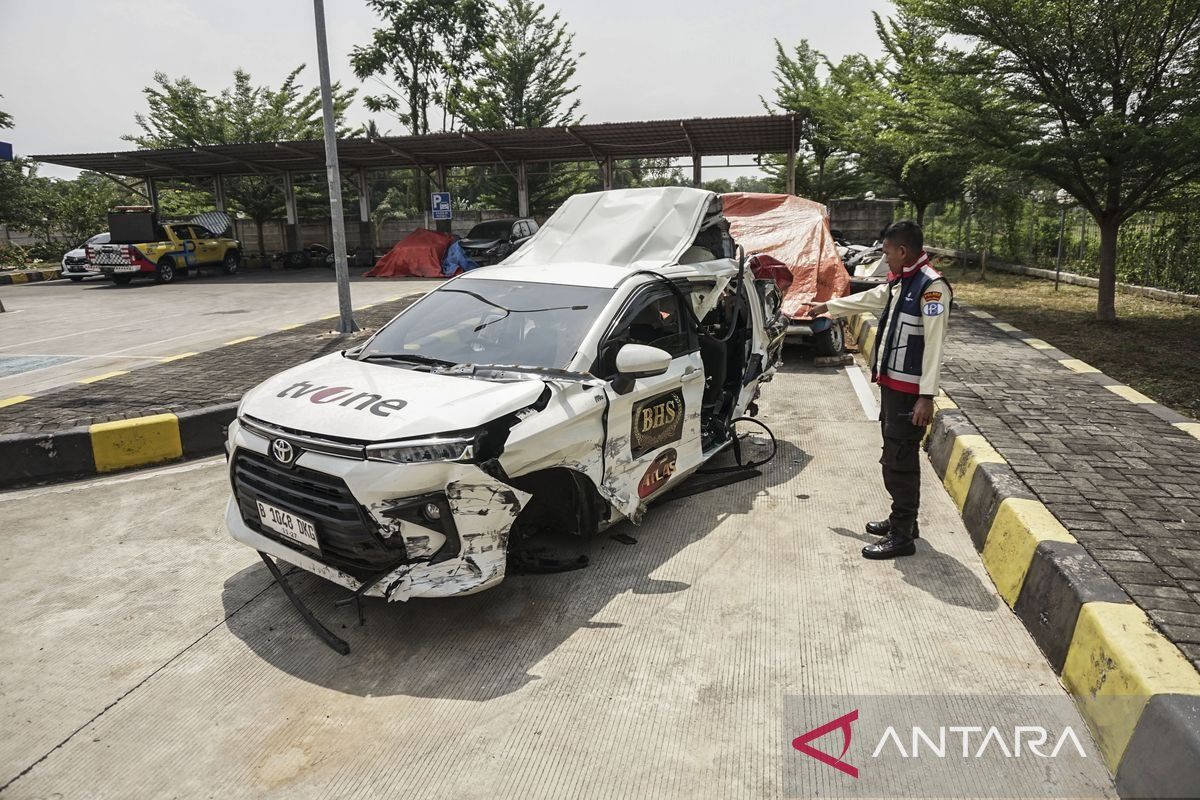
x,y
656,421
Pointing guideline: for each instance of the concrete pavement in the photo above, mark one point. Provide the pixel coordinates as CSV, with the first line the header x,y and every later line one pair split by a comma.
x,y
149,655
59,332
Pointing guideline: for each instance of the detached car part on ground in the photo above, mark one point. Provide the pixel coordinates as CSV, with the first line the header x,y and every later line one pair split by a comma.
x,y
139,246
554,394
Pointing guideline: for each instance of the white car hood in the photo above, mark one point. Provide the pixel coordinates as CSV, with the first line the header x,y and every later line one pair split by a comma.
x,y
644,228
374,402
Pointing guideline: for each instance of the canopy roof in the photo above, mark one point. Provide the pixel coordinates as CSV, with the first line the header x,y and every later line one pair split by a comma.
x,y
655,139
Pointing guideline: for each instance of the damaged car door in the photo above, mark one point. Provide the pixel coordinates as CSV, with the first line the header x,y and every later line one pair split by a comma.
x,y
653,416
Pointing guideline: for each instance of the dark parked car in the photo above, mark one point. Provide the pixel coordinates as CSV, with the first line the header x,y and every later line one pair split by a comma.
x,y
492,241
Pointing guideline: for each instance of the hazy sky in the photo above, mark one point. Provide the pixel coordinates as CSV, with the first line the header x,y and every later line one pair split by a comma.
x,y
72,71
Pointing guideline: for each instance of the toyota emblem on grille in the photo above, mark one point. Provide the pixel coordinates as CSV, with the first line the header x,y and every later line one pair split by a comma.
x,y
283,451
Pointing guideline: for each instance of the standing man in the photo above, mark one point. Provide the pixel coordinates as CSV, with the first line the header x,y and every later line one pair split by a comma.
x,y
913,309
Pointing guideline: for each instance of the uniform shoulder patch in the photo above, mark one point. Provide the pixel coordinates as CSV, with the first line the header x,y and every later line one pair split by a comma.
x,y
930,297
933,309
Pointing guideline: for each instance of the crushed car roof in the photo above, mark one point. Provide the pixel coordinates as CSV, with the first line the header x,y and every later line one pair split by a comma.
x,y
631,228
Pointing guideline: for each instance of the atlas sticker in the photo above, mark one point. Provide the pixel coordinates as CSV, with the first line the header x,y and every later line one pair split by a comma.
x,y
930,297
657,421
933,309
660,471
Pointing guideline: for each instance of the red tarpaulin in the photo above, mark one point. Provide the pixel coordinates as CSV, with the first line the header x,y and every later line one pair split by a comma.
x,y
417,255
794,232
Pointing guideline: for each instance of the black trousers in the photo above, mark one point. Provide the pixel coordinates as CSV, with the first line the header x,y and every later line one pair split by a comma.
x,y
901,455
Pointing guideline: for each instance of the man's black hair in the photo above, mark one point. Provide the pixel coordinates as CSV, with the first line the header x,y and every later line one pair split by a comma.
x,y
906,233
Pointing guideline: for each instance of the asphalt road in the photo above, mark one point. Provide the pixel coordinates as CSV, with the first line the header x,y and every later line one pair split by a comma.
x,y
145,654
59,332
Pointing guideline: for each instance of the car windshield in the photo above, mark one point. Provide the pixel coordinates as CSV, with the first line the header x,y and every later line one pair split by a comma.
x,y
492,322
496,229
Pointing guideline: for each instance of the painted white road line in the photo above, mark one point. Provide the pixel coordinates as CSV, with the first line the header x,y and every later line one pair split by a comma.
x,y
863,390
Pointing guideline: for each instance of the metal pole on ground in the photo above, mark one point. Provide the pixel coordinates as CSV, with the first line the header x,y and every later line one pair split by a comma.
x,y
346,321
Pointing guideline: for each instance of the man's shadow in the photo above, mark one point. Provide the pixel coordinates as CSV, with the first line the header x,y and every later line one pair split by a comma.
x,y
936,573
485,645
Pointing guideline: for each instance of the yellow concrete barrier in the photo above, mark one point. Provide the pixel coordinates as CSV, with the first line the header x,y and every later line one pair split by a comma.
x,y
1019,526
135,442
1116,662
969,451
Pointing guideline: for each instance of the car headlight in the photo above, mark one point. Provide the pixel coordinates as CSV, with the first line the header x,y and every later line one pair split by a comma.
x,y
424,451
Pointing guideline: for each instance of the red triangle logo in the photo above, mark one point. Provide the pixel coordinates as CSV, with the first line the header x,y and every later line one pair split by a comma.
x,y
842,723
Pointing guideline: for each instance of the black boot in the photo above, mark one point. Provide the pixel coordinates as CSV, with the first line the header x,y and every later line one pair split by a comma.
x,y
898,543
884,527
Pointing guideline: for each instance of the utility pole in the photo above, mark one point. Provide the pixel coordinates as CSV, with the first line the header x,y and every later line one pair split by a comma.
x,y
341,268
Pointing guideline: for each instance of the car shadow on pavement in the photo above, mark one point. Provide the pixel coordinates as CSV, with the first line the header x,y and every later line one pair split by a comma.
x,y
936,573
485,645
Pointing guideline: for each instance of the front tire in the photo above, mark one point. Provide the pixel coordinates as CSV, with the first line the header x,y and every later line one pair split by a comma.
x,y
75,278
830,342
233,260
166,271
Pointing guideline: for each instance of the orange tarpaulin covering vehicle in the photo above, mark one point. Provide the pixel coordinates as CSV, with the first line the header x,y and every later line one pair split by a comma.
x,y
418,255
792,232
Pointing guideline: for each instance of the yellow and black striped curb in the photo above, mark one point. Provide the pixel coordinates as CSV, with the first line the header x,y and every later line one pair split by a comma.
x,y
1137,692
27,458
30,275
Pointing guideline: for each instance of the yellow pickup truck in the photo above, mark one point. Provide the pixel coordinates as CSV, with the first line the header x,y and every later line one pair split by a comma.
x,y
141,246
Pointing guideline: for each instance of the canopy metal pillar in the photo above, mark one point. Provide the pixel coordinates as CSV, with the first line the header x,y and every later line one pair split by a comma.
x,y
606,173
522,190
291,234
152,193
366,239
697,166
791,171
219,192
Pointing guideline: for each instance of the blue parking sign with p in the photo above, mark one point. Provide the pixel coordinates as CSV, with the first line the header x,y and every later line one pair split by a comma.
x,y
441,206
6,151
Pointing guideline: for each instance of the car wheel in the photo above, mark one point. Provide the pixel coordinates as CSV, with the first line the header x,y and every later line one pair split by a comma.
x,y
166,271
75,278
122,280
830,342
233,260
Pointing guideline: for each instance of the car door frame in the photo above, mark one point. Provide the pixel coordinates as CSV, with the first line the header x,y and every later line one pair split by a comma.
x,y
635,473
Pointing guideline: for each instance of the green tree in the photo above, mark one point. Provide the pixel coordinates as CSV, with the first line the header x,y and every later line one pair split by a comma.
x,y
823,105
1098,98
891,138
996,196
526,80
82,205
430,51
5,119
182,114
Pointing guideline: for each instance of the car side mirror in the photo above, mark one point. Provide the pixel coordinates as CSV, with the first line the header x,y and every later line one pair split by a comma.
x,y
639,361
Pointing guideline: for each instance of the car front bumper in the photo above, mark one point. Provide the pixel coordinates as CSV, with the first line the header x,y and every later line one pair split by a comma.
x,y
466,556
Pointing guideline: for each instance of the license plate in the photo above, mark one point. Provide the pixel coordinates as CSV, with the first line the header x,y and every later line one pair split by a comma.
x,y
288,524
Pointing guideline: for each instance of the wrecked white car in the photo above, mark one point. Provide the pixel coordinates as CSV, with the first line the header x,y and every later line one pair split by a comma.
x,y
563,389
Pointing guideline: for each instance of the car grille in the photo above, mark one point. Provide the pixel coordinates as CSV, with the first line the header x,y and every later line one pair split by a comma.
x,y
349,539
